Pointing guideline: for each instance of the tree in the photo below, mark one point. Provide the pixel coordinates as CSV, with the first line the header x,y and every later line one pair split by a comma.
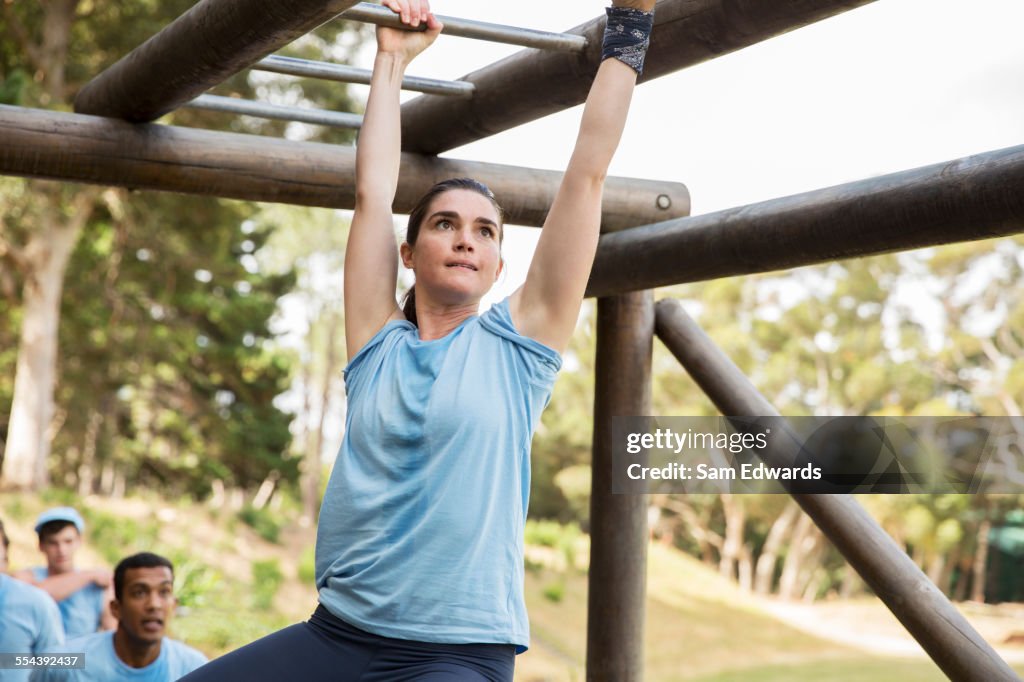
x,y
845,338
59,215
313,243
62,43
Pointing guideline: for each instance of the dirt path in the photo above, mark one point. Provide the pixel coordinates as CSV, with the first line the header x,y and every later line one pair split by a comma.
x,y
868,625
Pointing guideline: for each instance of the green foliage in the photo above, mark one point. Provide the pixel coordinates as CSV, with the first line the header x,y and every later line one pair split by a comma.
x,y
117,537
574,484
544,533
60,497
168,368
267,578
181,381
194,582
562,538
15,511
563,438
266,524
554,591
13,86
226,627
307,566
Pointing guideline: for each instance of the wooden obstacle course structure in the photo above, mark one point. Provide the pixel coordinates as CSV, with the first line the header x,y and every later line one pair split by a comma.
x,y
919,605
61,146
978,197
971,198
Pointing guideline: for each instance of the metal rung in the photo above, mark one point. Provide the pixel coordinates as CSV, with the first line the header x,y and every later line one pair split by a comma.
x,y
467,28
248,107
350,74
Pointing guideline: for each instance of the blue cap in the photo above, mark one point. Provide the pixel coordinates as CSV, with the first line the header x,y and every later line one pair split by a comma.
x,y
61,514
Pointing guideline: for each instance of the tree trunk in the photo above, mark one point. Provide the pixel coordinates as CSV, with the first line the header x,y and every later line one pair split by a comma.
x,y
811,573
745,568
980,561
308,437
311,474
818,579
45,259
87,467
764,573
32,408
697,527
57,20
219,495
107,478
950,562
852,583
735,521
800,544
120,485
936,568
266,489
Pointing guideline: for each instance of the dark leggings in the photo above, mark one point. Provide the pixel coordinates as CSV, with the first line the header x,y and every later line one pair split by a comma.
x,y
329,649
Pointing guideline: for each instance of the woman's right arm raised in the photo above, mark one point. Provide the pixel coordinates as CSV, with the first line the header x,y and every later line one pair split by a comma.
x,y
371,255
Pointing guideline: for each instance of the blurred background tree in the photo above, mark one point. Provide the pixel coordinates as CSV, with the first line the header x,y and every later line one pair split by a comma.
x,y
136,328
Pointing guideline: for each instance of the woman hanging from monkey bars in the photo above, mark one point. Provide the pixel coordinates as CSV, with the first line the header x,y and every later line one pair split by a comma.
x,y
419,557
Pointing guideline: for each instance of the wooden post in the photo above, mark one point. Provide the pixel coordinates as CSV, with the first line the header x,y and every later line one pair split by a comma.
x,y
532,83
921,607
61,146
977,197
618,523
212,41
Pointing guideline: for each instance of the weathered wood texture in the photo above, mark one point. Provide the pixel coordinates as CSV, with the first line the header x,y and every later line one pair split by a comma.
x,y
532,84
618,523
921,607
212,41
73,147
977,197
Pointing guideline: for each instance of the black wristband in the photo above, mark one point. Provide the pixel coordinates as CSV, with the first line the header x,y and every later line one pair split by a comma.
x,y
627,36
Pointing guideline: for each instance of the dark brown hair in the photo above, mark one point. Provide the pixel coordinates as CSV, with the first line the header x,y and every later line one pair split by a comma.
x,y
140,560
53,527
419,213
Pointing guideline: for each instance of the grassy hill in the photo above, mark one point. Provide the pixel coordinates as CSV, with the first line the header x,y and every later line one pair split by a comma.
x,y
242,574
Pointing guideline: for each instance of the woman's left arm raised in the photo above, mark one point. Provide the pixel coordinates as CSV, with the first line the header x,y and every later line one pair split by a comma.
x,y
546,307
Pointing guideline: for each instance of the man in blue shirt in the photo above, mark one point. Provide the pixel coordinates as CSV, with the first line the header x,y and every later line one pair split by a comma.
x,y
82,596
29,620
138,650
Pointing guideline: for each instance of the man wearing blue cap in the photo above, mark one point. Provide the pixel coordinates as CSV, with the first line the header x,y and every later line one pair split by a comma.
x,y
29,620
83,596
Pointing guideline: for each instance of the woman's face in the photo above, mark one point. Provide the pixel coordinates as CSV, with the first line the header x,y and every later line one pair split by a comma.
x,y
457,256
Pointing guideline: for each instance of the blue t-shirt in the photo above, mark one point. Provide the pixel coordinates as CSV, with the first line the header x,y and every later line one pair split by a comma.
x,y
103,665
81,610
421,530
29,623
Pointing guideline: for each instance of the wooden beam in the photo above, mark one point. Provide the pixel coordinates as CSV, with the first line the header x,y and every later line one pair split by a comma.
x,y
617,581
212,41
78,148
924,611
532,84
977,197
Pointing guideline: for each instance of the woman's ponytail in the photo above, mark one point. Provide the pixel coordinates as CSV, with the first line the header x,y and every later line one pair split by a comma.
x,y
409,305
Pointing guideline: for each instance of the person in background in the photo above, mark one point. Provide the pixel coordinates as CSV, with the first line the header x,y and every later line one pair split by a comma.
x,y
139,649
29,620
82,596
